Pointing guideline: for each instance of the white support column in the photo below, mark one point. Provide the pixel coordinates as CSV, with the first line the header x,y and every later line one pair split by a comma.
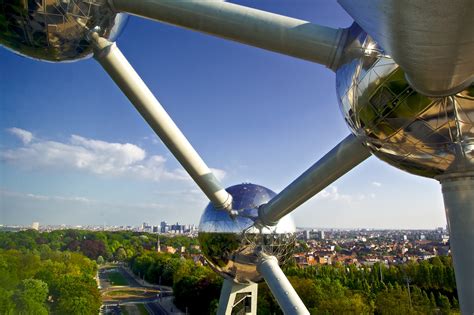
x,y
341,159
458,194
281,288
127,79
282,34
228,298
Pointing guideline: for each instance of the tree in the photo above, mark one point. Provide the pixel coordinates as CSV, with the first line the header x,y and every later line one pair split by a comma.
x,y
444,304
77,295
120,254
100,260
6,303
30,297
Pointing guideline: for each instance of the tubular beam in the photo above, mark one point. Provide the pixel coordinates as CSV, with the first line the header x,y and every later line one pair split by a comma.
x,y
269,31
340,160
458,194
117,66
286,296
431,40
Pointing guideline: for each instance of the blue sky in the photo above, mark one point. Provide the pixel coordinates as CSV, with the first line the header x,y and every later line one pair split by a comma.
x,y
73,150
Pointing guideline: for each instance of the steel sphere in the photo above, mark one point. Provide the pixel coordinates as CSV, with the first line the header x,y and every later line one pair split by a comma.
x,y
56,30
232,245
418,134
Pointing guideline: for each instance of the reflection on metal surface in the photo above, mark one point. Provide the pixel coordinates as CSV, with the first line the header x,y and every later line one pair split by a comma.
x,y
232,245
419,134
55,30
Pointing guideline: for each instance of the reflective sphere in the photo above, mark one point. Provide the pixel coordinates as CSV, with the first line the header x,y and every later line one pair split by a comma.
x,y
419,134
55,30
231,245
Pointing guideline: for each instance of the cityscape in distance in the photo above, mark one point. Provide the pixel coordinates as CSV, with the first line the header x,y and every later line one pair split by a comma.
x,y
122,119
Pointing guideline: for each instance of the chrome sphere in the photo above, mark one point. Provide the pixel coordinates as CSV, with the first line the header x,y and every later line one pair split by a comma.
x,y
55,30
419,134
232,245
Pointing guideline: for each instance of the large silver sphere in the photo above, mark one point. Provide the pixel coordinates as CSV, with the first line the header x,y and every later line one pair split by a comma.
x,y
416,133
232,245
55,30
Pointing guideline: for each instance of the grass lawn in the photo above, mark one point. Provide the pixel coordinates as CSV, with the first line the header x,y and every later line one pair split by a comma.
x,y
116,278
129,293
134,309
124,309
133,293
142,309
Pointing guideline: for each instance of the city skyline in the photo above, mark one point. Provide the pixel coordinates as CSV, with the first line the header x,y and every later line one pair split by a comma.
x,y
255,116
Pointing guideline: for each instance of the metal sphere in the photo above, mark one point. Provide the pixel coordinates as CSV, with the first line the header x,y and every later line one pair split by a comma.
x,y
232,245
56,30
419,134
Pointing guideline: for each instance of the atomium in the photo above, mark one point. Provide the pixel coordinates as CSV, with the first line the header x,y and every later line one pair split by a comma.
x,y
233,245
416,133
391,112
52,30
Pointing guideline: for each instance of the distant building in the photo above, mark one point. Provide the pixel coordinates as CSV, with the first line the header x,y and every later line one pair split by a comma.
x,y
164,227
169,249
35,226
321,235
146,227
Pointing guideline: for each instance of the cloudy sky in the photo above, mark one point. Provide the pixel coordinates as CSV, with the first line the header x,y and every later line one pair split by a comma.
x,y
74,151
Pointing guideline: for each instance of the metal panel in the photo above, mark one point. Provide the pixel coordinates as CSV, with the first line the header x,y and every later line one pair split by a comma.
x,y
432,40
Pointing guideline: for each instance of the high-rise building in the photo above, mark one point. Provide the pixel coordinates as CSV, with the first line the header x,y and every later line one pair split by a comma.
x,y
321,235
35,226
164,227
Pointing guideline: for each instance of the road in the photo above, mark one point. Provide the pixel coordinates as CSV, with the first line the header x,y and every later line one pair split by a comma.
x,y
162,306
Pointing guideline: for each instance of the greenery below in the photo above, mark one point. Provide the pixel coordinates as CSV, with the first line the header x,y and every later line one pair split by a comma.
x,y
47,282
54,272
427,287
116,278
195,287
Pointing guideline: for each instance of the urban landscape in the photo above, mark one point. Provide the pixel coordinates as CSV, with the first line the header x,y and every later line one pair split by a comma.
x,y
326,149
148,269
316,246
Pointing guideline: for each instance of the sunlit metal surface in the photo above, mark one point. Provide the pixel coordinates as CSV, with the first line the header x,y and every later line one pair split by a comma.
x,y
56,30
418,134
232,245
432,40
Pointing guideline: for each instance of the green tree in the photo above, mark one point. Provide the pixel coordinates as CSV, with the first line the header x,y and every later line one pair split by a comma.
x,y
100,260
120,254
30,297
77,295
444,304
6,304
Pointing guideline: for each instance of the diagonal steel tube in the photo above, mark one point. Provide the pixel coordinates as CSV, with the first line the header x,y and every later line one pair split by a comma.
x,y
340,160
282,290
120,70
282,34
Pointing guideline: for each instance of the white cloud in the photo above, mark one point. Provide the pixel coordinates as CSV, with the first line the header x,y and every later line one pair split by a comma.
x,y
24,135
76,200
93,156
376,184
332,193
37,197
